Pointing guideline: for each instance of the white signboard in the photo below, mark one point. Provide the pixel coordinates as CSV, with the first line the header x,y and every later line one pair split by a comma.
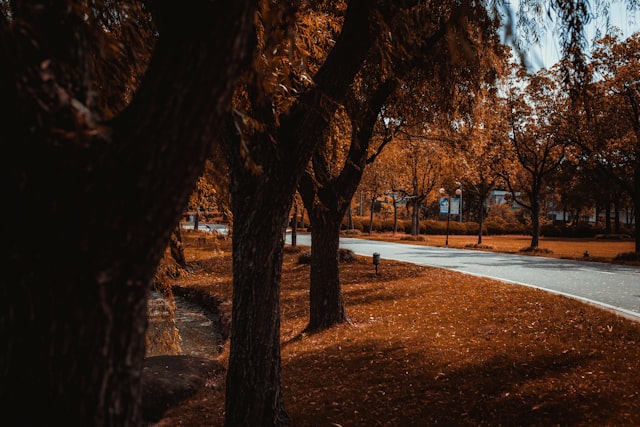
x,y
455,205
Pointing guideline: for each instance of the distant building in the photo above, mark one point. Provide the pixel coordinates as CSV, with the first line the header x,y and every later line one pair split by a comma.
x,y
501,197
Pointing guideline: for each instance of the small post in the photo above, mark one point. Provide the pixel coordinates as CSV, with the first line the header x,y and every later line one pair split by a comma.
x,y
376,260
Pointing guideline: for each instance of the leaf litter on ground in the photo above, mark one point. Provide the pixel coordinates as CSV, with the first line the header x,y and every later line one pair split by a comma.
x,y
426,346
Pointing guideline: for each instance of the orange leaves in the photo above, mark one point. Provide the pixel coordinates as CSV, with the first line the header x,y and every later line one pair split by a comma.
x,y
431,346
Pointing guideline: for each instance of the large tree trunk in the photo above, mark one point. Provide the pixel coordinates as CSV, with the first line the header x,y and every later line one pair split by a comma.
x,y
93,205
325,302
253,387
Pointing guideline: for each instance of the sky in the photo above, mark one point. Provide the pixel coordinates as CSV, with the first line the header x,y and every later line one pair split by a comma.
x,y
548,52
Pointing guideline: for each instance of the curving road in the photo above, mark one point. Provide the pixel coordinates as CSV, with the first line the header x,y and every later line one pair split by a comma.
x,y
610,286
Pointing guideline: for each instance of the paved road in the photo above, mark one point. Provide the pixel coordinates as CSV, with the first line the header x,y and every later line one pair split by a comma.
x,y
611,286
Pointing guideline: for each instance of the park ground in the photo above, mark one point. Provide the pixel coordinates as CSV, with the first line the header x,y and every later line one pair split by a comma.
x,y
427,346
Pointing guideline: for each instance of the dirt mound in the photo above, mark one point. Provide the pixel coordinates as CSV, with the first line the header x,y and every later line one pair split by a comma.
x,y
167,380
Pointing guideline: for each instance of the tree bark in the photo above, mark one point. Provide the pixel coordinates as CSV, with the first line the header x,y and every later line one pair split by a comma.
x,y
176,247
481,220
415,217
535,223
372,207
294,226
607,220
395,215
94,204
325,301
253,386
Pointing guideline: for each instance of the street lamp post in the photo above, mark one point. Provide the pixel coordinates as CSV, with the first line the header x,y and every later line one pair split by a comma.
x,y
459,193
443,192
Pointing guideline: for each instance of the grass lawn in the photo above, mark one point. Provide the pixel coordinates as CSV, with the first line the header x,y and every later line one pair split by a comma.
x,y
427,347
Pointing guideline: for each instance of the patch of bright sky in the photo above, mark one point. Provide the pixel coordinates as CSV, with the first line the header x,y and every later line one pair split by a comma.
x,y
548,51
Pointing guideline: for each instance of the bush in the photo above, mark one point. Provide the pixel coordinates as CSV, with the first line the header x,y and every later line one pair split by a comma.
x,y
411,238
628,256
357,224
353,232
431,226
472,228
498,226
344,255
529,249
304,257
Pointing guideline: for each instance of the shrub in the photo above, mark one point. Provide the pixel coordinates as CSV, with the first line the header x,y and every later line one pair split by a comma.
x,y
288,249
431,226
404,226
628,256
304,257
353,232
472,228
529,249
411,238
478,246
344,255
456,227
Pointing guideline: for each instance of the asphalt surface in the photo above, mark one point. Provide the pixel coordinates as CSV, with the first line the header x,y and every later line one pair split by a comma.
x,y
610,286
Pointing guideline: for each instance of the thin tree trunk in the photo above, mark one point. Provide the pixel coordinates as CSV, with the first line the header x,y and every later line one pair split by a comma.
x,y
294,226
535,224
636,205
373,201
177,249
481,221
196,219
415,223
395,216
616,212
607,223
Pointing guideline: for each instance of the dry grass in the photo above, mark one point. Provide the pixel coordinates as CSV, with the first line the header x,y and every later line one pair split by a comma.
x,y
432,347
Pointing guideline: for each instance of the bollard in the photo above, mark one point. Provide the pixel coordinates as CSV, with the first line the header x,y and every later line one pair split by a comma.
x,y
376,260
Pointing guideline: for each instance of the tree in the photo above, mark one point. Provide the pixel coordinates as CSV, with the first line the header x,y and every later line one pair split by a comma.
x,y
109,179
327,190
267,142
421,173
610,119
533,150
412,40
482,151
